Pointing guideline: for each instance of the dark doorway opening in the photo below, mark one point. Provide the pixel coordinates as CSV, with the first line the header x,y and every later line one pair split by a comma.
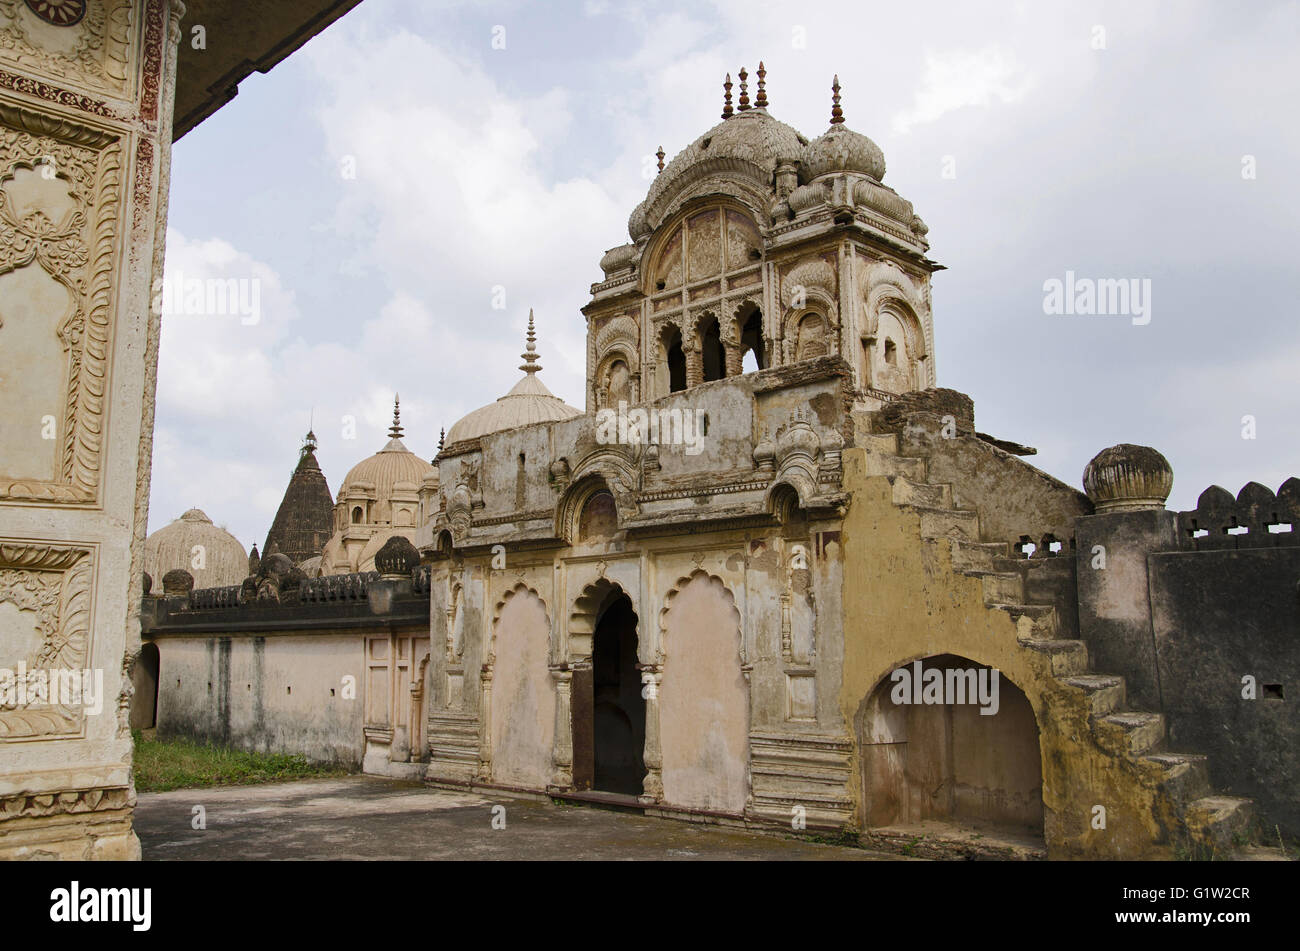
x,y
713,359
676,362
144,707
618,709
751,338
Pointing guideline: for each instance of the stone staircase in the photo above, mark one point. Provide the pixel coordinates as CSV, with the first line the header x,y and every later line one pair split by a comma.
x,y
1040,608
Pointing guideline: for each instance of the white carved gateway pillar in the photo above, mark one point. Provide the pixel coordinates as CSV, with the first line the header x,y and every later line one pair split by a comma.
x,y
86,94
562,756
653,757
485,723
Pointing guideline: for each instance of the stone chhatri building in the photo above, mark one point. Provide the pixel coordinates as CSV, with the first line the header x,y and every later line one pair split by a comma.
x,y
693,594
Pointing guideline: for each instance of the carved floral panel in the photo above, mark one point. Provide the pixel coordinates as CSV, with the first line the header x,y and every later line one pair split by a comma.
x,y
86,44
45,605
59,218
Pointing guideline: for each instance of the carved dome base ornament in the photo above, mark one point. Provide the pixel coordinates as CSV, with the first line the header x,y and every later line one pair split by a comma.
x,y
59,12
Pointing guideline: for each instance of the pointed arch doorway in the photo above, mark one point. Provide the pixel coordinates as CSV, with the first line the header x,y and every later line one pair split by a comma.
x,y
608,711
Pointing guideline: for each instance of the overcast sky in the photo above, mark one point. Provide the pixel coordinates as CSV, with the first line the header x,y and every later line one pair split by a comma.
x,y
381,182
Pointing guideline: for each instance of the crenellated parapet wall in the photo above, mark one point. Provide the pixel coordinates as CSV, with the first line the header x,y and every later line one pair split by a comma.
x,y
1199,611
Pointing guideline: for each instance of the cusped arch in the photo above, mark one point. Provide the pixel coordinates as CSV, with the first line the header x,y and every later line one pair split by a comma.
x,y
518,588
585,615
717,583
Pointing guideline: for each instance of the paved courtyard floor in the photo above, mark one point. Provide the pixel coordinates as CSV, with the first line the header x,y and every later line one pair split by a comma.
x,y
364,817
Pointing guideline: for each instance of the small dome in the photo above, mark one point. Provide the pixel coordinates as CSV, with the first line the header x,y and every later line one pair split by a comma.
x,y
389,469
385,469
1126,478
366,560
398,556
841,150
212,555
177,582
529,402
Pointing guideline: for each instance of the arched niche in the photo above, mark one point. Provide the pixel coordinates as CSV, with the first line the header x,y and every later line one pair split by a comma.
x,y
946,761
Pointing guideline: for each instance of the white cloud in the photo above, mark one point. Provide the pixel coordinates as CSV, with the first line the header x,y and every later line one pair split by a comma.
x,y
961,78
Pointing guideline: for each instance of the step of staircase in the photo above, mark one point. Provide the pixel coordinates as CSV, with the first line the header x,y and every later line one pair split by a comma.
x,y
1040,621
1105,692
912,492
1000,587
1185,775
1220,822
976,555
947,523
1067,656
1130,731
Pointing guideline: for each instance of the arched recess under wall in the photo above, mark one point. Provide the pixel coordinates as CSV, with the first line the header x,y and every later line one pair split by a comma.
x,y
704,698
948,761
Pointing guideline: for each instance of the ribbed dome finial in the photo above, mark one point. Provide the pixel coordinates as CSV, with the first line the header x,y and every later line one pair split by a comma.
x,y
530,364
837,114
442,438
395,430
744,90
726,98
760,101
660,156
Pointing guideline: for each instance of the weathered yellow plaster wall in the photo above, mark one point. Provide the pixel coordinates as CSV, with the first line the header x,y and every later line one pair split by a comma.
x,y
902,601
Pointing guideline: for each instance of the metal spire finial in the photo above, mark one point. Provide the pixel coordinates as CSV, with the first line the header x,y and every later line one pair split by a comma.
x,y
395,430
760,101
530,351
837,114
726,98
744,90
660,155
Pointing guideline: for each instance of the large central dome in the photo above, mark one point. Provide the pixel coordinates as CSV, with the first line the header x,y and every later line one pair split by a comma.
x,y
527,403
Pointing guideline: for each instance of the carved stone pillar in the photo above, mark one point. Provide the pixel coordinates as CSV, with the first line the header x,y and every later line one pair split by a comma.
x,y
734,358
653,787
562,752
694,363
485,726
86,99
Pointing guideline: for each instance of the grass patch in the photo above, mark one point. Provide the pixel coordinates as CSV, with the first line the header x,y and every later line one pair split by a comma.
x,y
182,764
